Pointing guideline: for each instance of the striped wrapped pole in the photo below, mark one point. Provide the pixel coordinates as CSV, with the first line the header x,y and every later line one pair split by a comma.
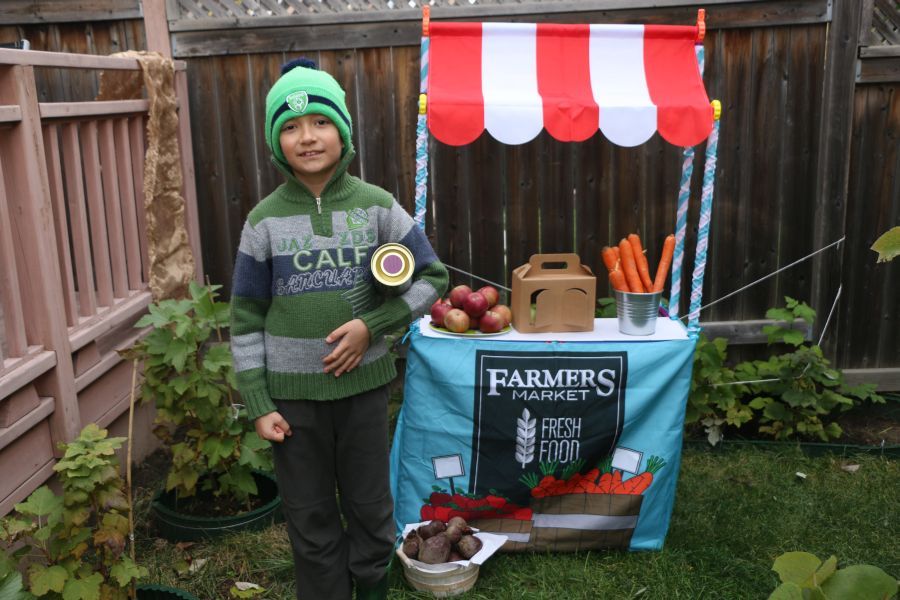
x,y
422,141
706,199
684,196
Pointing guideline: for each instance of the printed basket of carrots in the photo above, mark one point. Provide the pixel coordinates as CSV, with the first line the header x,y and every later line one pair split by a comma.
x,y
602,479
629,271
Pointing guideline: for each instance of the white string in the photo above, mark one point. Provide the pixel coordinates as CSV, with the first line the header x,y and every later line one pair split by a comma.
x,y
773,273
806,368
502,287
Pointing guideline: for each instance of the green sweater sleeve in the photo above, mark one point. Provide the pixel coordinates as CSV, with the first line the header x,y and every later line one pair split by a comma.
x,y
250,301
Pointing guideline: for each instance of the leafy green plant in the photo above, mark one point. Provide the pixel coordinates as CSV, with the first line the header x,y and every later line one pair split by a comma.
x,y
715,399
888,245
804,577
74,545
796,393
189,376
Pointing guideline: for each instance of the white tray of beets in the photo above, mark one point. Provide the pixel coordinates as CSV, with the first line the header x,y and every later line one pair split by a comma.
x,y
438,546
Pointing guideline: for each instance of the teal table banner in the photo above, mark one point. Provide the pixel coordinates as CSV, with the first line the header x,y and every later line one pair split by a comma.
x,y
560,446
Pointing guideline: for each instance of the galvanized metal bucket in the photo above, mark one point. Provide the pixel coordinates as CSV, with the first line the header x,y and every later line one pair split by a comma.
x,y
636,313
392,267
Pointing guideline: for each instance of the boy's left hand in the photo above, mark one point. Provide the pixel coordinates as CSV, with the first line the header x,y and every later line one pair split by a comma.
x,y
353,341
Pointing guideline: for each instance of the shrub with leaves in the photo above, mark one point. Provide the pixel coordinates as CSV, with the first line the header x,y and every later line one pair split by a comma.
x,y
189,376
803,576
74,545
794,394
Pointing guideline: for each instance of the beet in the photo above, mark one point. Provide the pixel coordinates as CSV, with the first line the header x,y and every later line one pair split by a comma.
x,y
411,544
468,546
435,550
433,528
458,521
453,533
454,556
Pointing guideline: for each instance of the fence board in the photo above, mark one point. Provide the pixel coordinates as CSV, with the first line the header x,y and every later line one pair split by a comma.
x,y
111,195
96,214
84,272
60,221
13,321
868,306
136,135
129,214
405,62
209,171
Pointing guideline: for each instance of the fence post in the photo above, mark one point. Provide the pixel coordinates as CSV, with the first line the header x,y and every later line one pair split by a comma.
x,y
833,168
28,194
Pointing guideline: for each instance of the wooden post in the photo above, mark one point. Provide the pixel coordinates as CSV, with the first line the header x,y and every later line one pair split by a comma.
x,y
156,27
28,193
833,168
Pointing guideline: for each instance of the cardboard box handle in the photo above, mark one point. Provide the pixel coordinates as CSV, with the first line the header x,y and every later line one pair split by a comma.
x,y
542,263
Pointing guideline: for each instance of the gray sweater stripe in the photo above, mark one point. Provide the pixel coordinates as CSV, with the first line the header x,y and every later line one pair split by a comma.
x,y
253,244
248,351
299,355
420,296
283,231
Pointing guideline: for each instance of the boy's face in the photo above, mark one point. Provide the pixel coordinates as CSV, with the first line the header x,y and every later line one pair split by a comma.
x,y
312,146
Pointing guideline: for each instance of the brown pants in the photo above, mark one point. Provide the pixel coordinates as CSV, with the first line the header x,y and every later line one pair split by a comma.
x,y
342,443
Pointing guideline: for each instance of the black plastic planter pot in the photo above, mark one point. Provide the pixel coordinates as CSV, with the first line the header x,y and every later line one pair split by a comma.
x,y
179,527
161,592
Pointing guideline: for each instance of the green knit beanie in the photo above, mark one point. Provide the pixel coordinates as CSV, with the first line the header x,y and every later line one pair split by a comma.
x,y
301,90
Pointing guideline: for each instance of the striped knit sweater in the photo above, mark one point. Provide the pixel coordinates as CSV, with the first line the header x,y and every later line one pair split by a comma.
x,y
302,270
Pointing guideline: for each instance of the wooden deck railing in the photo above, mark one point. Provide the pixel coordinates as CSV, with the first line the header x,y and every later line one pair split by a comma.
x,y
73,260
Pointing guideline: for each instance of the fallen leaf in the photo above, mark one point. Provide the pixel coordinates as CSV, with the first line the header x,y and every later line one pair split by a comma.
x,y
197,564
850,468
184,545
245,585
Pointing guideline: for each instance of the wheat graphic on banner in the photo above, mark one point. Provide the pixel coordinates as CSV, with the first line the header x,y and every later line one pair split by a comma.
x,y
525,434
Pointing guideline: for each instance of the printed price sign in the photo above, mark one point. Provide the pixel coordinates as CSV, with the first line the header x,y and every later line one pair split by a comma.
x,y
543,408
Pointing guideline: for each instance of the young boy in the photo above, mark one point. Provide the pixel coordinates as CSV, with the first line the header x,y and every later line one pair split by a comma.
x,y
308,337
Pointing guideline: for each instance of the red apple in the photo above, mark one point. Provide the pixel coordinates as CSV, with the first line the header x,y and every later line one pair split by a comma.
x,y
504,311
475,304
438,311
459,294
456,320
492,322
490,293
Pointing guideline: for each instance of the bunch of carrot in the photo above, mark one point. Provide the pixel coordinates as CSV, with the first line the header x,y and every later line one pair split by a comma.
x,y
609,482
629,270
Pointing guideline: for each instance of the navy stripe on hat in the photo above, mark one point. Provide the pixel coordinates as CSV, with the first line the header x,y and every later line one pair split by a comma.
x,y
312,100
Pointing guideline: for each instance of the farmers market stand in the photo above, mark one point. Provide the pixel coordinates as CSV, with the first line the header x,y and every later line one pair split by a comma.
x,y
560,441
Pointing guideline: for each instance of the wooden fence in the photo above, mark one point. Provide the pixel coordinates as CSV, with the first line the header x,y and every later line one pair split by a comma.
x,y
794,169
73,264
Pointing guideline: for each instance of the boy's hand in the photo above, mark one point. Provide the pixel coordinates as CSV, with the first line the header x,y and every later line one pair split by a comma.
x,y
272,427
353,341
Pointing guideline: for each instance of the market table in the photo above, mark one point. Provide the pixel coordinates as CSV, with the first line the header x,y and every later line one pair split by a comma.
x,y
561,441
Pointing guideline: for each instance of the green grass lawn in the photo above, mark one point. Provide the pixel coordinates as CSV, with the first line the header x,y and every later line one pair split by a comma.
x,y
735,511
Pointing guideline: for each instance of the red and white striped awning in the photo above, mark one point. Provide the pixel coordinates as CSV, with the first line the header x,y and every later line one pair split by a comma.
x,y
515,79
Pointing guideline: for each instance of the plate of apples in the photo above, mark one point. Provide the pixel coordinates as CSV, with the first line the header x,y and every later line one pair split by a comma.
x,y
469,313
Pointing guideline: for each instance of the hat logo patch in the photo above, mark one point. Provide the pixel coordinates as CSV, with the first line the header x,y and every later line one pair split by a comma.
x,y
298,101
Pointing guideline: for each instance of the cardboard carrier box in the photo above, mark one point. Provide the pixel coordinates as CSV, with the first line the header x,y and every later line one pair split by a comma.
x,y
553,292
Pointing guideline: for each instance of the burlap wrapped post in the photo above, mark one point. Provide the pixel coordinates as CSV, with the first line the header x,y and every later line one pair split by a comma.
x,y
171,260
